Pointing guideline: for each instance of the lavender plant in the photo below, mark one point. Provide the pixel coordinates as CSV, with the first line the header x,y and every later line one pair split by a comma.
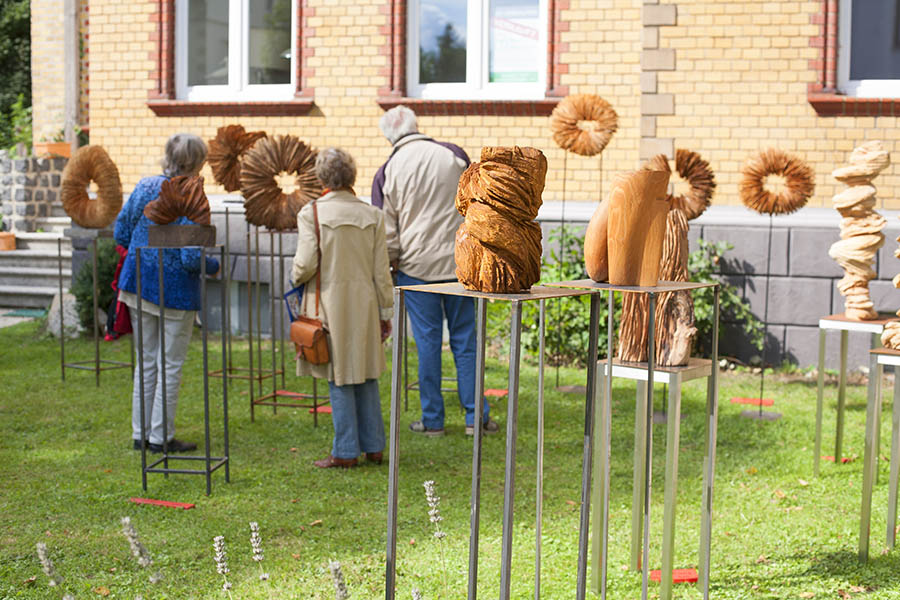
x,y
340,589
138,550
256,544
434,516
222,562
49,570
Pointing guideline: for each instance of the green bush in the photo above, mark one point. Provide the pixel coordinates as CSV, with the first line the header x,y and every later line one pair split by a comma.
x,y
82,285
15,66
566,331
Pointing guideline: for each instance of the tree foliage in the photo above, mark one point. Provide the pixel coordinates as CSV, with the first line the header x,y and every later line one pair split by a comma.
x,y
15,63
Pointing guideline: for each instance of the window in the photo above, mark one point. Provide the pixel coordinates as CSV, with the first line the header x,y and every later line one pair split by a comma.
x,y
235,50
868,63
477,49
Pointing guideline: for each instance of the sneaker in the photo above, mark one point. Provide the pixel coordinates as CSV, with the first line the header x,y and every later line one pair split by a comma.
x,y
490,427
419,427
136,444
174,445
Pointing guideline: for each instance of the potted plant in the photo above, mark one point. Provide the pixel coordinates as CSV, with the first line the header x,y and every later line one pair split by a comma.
x,y
7,238
57,147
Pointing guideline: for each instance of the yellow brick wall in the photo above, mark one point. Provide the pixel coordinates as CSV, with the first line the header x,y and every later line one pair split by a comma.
x,y
346,83
740,85
47,72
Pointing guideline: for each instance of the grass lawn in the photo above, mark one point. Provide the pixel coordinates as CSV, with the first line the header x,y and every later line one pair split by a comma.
x,y
67,470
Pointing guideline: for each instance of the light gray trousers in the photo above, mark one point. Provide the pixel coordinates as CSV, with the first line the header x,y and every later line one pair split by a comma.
x,y
177,337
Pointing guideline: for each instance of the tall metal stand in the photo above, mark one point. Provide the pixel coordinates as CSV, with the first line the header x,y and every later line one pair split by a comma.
x,y
644,445
762,415
179,236
537,293
97,364
274,398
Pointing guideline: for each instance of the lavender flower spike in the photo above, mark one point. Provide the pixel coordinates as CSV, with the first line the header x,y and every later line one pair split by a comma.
x,y
47,565
256,544
137,548
220,557
416,594
340,590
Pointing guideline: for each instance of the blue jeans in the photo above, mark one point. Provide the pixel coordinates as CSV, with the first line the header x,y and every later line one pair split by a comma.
x,y
426,313
356,416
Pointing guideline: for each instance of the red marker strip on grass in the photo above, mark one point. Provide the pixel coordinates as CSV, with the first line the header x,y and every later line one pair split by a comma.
x,y
165,503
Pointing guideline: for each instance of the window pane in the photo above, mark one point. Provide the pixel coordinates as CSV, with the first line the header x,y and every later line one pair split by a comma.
x,y
442,41
208,42
514,41
270,41
875,40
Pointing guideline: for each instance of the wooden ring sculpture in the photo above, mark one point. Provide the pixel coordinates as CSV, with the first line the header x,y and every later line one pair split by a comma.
x,y
225,152
264,201
698,175
181,196
91,163
569,116
799,182
498,247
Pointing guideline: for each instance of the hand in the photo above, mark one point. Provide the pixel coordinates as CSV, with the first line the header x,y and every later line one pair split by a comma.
x,y
385,330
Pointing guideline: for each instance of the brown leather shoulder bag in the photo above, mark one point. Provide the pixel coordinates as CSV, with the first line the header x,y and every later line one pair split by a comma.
x,y
308,334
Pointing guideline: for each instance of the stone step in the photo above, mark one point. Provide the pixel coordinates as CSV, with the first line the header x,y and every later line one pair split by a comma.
x,y
56,225
32,276
46,241
56,210
27,296
35,259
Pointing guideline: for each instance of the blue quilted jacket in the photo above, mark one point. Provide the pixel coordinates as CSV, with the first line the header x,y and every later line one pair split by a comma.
x,y
181,266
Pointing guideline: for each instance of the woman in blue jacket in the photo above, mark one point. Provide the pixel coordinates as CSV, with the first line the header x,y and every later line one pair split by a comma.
x,y
185,154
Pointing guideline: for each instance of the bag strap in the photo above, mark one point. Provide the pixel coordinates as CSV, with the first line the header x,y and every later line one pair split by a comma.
x,y
318,255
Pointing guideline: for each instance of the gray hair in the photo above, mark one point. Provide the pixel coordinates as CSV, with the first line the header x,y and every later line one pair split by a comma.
x,y
185,153
335,168
398,122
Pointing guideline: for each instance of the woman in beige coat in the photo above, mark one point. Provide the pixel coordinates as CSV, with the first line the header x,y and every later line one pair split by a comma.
x,y
356,306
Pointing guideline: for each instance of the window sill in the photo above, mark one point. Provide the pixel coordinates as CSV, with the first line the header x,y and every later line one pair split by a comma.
x,y
182,108
502,108
836,105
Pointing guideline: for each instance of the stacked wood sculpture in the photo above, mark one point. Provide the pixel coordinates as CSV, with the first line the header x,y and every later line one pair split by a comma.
x,y
624,239
181,196
498,247
799,182
225,152
674,315
861,227
91,163
265,203
583,124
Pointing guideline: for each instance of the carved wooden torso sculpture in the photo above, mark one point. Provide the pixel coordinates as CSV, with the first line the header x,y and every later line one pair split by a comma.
x,y
498,247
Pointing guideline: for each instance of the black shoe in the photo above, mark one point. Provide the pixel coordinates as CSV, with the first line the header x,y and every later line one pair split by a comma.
x,y
137,444
174,445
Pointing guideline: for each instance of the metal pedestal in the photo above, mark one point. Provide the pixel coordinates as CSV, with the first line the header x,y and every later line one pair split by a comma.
x,y
538,293
180,236
644,433
97,364
877,360
840,323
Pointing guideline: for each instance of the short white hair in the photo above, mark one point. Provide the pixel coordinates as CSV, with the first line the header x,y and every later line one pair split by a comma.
x,y
335,168
185,153
398,122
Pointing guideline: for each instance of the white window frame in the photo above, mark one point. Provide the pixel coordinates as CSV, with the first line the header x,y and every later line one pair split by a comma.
x,y
859,88
477,86
238,88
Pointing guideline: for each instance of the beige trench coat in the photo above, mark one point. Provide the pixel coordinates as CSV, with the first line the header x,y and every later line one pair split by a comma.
x,y
357,291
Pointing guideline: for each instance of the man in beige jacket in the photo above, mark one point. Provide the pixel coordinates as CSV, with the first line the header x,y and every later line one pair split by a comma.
x,y
416,188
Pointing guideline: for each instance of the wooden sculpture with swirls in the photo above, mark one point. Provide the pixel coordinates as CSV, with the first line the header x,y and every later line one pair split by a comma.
x,y
91,163
265,203
181,196
861,227
498,247
225,153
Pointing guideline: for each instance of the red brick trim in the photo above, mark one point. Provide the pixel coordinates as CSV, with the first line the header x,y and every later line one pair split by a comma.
x,y
394,50
500,108
823,95
163,56
161,99
179,108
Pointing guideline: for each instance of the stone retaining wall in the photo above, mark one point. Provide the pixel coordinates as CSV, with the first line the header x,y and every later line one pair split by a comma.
x,y
28,189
